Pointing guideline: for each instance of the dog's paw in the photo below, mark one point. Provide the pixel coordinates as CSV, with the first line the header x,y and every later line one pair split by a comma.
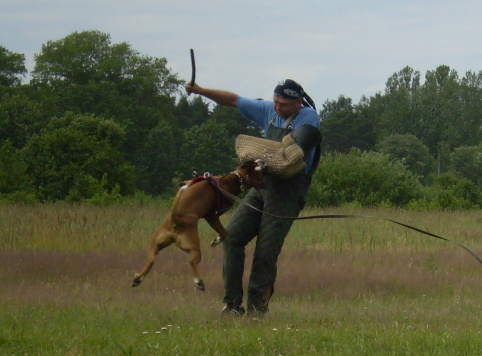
x,y
136,281
200,285
216,241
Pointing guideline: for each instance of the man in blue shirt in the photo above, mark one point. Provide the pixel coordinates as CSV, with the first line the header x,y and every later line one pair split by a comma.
x,y
291,108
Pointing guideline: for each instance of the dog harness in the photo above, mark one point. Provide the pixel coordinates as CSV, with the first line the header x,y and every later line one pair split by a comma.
x,y
223,204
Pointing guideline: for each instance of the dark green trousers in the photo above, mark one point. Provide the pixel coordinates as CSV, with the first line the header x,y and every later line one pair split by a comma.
x,y
280,197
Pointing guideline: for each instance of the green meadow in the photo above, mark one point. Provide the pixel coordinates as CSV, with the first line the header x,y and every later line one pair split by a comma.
x,y
345,286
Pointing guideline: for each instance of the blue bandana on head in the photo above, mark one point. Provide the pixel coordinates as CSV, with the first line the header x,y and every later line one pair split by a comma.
x,y
290,89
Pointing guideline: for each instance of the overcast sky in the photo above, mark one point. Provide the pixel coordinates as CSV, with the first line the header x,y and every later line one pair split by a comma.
x,y
337,47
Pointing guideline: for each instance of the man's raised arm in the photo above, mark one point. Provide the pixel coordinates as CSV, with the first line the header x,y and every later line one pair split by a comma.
x,y
221,97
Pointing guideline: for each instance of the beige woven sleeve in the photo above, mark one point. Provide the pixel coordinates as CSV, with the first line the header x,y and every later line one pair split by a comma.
x,y
284,159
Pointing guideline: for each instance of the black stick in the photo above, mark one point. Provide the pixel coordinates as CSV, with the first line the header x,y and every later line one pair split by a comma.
x,y
193,66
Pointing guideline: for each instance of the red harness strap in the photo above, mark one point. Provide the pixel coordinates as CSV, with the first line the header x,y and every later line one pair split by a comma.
x,y
223,204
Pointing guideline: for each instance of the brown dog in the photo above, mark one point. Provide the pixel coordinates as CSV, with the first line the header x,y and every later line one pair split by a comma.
x,y
198,199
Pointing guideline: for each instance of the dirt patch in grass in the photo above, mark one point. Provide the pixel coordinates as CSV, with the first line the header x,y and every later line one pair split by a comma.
x,y
54,277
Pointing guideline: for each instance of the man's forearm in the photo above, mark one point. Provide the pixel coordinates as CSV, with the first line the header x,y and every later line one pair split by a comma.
x,y
221,97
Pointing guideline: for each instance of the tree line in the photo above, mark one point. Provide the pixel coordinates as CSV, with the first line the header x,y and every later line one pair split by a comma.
x,y
98,121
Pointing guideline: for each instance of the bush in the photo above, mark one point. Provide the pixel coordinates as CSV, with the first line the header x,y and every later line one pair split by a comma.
x,y
449,192
368,178
90,190
18,198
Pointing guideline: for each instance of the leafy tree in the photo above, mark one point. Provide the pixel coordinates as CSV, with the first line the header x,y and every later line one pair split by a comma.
x,y
12,68
85,73
20,118
206,148
90,85
343,128
90,74
159,160
466,161
87,56
400,113
332,107
235,123
190,113
405,81
471,107
444,112
410,151
72,152
440,109
14,181
443,157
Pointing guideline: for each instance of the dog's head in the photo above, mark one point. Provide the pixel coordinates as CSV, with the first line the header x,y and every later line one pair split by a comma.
x,y
253,172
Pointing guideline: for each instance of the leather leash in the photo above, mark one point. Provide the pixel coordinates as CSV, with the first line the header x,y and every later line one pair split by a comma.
x,y
347,216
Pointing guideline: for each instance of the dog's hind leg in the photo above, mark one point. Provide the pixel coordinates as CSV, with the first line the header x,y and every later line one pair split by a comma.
x,y
160,240
139,277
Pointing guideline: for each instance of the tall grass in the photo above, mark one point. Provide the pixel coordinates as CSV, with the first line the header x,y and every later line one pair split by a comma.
x,y
64,227
344,287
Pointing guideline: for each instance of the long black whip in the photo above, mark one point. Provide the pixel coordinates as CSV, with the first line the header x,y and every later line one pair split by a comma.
x,y
345,216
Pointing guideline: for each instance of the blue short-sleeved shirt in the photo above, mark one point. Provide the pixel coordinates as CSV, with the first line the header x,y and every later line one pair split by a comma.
x,y
262,111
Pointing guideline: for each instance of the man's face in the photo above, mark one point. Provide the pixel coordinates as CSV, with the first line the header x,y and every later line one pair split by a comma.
x,y
286,107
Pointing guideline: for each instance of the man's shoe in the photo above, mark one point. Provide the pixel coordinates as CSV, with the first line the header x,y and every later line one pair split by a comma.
x,y
233,311
257,313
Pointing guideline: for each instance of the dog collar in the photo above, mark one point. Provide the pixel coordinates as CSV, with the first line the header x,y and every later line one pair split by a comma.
x,y
241,181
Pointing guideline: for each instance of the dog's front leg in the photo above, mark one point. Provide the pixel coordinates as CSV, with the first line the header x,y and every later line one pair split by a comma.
x,y
215,223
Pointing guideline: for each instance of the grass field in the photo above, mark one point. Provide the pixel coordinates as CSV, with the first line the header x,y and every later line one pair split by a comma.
x,y
345,287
